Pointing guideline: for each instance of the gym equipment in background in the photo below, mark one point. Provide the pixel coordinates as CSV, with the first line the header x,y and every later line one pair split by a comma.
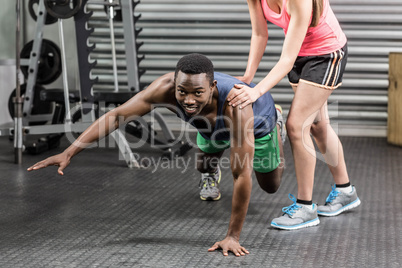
x,y
63,9
49,62
39,106
41,54
32,8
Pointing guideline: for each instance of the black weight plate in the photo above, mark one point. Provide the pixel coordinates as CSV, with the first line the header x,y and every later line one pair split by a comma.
x,y
49,62
38,106
33,12
63,9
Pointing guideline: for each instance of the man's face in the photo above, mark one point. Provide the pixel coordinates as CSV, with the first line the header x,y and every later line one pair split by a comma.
x,y
193,92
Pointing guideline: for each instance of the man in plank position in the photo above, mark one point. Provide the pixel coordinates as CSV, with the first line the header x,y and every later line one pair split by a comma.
x,y
198,95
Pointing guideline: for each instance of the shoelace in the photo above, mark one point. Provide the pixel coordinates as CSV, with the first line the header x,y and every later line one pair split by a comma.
x,y
207,180
332,195
292,208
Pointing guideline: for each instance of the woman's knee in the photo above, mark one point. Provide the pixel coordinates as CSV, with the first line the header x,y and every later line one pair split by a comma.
x,y
294,129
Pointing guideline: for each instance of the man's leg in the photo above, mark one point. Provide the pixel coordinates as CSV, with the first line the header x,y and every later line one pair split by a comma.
x,y
208,162
208,165
210,152
270,181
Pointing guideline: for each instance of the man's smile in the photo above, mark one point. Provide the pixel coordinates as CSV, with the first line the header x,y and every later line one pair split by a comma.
x,y
190,109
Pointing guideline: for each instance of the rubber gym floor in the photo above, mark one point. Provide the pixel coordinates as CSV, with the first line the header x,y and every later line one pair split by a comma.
x,y
103,214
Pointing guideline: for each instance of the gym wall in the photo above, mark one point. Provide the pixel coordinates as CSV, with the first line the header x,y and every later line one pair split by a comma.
x,y
220,29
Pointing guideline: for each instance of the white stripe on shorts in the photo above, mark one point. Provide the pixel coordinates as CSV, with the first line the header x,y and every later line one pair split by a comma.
x,y
329,66
339,66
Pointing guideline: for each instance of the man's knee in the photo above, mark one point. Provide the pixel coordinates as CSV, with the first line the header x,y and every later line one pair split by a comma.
x,y
270,182
272,188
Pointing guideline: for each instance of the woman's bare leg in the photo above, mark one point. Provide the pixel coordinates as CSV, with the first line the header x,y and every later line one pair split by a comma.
x,y
330,146
306,105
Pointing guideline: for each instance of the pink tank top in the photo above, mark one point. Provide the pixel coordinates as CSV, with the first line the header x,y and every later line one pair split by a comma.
x,y
325,38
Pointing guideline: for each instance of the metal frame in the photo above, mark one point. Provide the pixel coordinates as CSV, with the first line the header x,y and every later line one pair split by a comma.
x,y
23,127
32,64
129,40
86,82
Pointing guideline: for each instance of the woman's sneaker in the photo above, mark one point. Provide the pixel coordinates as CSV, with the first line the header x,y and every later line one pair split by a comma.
x,y
338,202
209,185
296,216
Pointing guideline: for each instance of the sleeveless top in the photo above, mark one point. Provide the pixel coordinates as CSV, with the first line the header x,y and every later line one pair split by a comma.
x,y
325,38
264,112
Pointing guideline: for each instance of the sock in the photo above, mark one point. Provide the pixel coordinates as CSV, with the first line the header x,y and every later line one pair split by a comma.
x,y
344,188
308,204
215,172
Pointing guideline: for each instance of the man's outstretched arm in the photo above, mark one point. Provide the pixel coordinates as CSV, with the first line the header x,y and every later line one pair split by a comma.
x,y
241,156
160,91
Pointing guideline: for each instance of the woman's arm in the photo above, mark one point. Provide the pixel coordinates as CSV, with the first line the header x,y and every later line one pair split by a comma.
x,y
259,39
300,14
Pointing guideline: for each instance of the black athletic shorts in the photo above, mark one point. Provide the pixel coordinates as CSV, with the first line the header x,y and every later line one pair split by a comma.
x,y
324,71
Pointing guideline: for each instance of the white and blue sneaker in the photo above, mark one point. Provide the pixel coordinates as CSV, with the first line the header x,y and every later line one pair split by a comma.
x,y
296,216
338,202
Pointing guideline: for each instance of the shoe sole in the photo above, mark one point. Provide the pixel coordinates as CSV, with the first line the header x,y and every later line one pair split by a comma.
x,y
210,198
354,204
311,223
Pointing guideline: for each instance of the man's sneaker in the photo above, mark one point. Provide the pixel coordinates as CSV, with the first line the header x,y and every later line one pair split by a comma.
x,y
296,216
209,185
281,123
338,202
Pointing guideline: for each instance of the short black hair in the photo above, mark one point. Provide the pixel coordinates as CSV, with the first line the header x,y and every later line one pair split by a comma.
x,y
196,63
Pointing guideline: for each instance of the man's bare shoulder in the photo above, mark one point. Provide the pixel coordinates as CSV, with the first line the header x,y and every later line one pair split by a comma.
x,y
162,90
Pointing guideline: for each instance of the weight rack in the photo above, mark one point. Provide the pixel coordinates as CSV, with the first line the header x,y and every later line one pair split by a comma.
x,y
85,81
88,99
